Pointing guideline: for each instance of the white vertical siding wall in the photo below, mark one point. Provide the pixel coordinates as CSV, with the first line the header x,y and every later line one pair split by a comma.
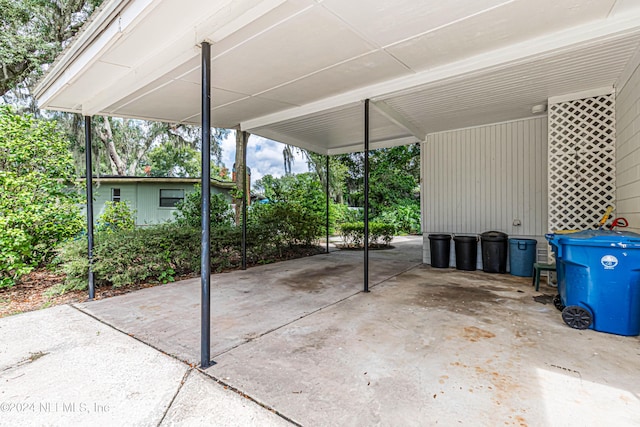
x,y
483,178
628,148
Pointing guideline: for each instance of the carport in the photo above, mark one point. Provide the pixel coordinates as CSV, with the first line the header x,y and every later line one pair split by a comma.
x,y
464,78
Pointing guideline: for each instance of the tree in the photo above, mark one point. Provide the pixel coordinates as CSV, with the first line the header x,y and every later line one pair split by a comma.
x,y
242,138
296,205
289,157
337,173
318,163
303,188
38,205
129,144
188,212
172,160
394,177
105,132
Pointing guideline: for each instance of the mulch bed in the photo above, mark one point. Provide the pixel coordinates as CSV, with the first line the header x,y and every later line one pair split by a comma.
x,y
360,248
30,293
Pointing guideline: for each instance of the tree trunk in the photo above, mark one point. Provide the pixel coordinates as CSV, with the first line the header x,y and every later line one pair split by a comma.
x,y
240,178
106,135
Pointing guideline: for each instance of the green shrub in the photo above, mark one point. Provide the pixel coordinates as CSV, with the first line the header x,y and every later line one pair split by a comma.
x,y
116,216
342,213
405,218
146,254
352,234
189,211
126,256
288,224
73,260
160,253
380,234
37,207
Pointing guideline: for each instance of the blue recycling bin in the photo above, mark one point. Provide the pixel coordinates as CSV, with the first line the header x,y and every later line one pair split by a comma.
x,y
599,280
522,256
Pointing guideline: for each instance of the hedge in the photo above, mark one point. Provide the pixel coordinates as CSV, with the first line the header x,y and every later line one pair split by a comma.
x,y
352,234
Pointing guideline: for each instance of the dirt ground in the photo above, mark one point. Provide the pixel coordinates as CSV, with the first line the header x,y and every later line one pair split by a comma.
x,y
31,293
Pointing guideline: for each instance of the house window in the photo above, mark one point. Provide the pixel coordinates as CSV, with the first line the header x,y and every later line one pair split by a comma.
x,y
115,195
169,198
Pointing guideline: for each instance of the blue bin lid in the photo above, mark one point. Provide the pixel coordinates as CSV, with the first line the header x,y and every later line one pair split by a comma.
x,y
524,241
625,239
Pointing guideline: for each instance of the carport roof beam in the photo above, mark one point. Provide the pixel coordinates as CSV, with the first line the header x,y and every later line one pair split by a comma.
x,y
397,119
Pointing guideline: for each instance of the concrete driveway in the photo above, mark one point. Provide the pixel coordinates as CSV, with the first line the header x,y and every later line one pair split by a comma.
x,y
298,343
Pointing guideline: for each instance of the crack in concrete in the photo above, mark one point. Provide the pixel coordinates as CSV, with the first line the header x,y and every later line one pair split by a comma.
x,y
191,367
173,399
30,359
248,397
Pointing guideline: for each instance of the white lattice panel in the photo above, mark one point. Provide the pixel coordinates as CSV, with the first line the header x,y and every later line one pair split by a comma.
x,y
581,161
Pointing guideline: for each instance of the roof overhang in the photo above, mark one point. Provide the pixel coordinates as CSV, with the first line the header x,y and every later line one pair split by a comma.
x,y
297,71
157,180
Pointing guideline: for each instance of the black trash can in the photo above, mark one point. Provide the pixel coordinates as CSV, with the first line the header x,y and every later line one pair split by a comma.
x,y
494,251
466,252
440,246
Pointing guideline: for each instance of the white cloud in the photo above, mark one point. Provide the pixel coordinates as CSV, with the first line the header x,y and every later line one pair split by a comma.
x,y
264,157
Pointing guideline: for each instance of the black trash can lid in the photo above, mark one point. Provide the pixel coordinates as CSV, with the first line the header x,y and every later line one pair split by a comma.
x,y
494,236
440,236
459,238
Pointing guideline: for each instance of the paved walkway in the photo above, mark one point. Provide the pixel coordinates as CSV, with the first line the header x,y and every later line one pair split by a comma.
x,y
61,367
298,343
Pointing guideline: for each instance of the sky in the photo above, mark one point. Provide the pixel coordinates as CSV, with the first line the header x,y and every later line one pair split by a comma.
x,y
264,157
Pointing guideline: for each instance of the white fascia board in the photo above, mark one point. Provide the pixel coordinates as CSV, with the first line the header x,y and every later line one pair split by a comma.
x,y
608,90
86,35
498,59
97,38
396,118
66,77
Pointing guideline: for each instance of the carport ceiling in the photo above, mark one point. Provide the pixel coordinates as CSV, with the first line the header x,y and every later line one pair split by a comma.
x,y
297,71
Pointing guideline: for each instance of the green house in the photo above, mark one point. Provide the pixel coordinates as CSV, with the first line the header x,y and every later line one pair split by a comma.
x,y
153,199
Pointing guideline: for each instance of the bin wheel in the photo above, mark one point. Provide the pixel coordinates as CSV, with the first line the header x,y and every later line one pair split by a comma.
x,y
557,301
576,317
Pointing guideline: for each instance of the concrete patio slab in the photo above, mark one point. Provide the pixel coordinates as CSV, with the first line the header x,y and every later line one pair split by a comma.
x,y
203,402
441,347
60,367
248,304
297,341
